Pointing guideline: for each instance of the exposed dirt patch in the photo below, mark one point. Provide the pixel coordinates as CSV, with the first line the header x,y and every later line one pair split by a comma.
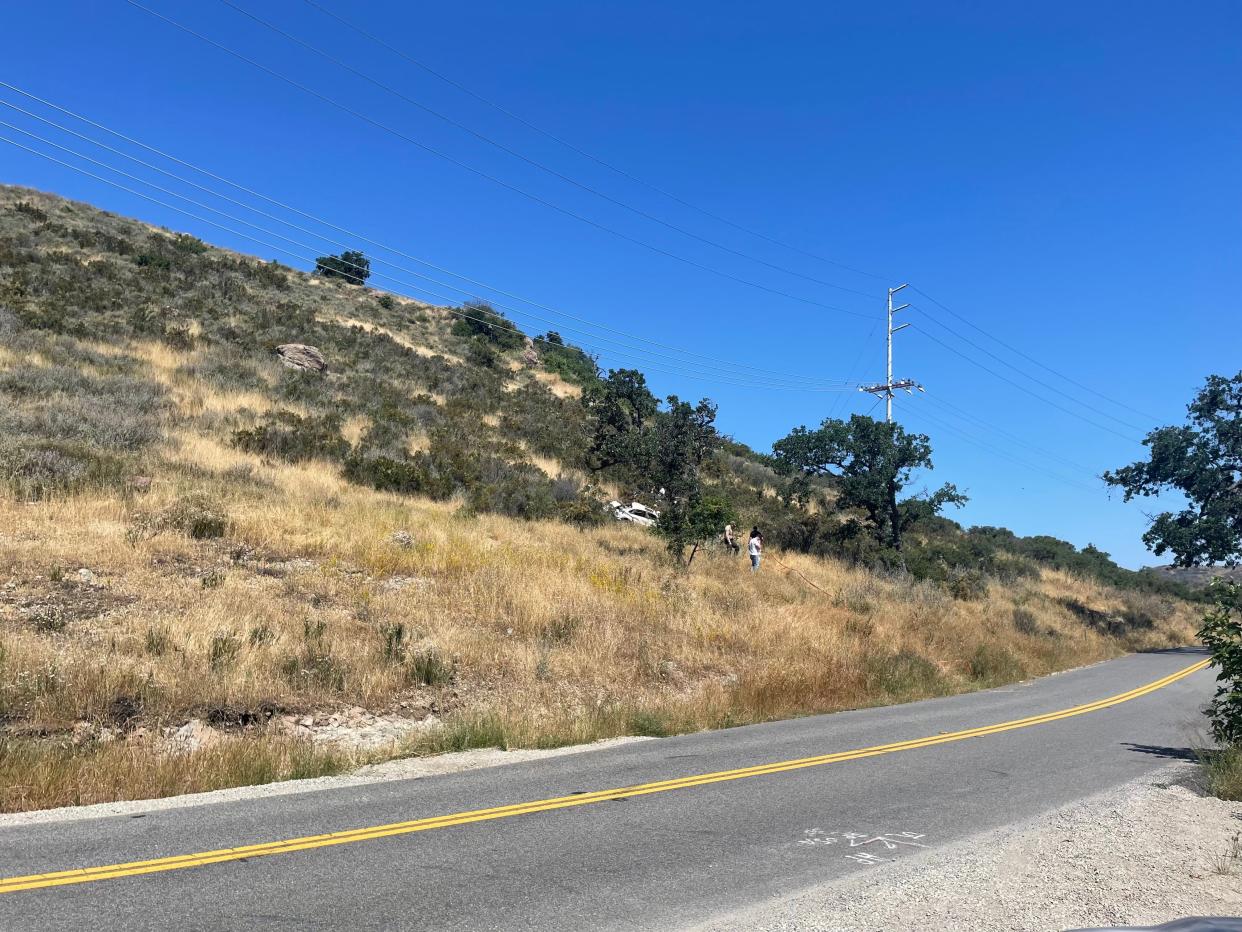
x,y
50,605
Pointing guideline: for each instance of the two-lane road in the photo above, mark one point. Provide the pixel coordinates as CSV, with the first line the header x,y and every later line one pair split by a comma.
x,y
650,835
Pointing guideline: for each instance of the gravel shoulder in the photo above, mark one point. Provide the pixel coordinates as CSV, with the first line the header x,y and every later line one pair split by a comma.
x,y
1143,853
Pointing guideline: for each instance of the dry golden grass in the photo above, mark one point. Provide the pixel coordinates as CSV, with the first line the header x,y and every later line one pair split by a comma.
x,y
36,775
558,386
553,634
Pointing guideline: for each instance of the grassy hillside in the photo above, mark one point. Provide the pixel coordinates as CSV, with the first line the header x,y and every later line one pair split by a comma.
x,y
215,569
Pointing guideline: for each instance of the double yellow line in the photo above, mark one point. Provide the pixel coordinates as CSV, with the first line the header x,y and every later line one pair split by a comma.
x,y
202,858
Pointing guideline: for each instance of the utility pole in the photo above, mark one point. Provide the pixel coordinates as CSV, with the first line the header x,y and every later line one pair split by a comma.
x,y
887,388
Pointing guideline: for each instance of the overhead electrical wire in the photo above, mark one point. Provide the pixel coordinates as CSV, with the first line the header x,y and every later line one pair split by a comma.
x,y
508,150
302,245
928,297
327,56
1029,358
862,349
1037,381
378,40
1023,388
717,380
997,451
494,179
1012,437
582,152
731,366
338,62
658,367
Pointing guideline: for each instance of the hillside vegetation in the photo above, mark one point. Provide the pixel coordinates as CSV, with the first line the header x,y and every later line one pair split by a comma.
x,y
217,569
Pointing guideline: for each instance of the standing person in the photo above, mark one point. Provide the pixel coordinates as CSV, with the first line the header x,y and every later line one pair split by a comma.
x,y
730,543
755,549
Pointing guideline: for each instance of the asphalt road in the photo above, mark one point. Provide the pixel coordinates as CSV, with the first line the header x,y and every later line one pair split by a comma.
x,y
657,859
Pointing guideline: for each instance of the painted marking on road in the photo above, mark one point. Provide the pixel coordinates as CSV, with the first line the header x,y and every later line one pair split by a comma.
x,y
350,836
890,841
868,858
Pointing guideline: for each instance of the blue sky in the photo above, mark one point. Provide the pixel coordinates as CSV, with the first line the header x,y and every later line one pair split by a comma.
x,y
1063,176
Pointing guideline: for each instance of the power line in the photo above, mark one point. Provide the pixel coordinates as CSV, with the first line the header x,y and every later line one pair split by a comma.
x,y
582,152
308,246
1046,368
1025,390
1013,438
379,41
1037,381
450,310
495,180
348,232
508,150
551,205
836,403
997,451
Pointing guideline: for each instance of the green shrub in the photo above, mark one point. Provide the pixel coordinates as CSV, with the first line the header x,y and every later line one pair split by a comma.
x,y
1025,622
482,354
1221,634
192,245
904,673
406,475
223,651
196,515
547,425
518,490
481,321
351,266
966,584
30,210
1224,772
993,665
569,362
646,724
289,436
430,668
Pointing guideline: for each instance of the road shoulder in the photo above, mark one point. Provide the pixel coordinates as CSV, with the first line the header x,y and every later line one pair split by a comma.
x,y
1145,852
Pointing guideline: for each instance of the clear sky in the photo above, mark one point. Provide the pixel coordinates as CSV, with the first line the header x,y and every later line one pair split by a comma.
x,y
1064,176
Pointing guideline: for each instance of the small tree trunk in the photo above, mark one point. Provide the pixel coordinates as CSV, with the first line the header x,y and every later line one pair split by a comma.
x,y
894,519
693,551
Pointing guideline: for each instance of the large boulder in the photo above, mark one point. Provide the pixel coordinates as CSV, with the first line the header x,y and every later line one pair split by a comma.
x,y
530,355
301,356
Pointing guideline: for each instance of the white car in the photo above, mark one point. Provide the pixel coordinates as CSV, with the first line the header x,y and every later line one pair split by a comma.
x,y
635,512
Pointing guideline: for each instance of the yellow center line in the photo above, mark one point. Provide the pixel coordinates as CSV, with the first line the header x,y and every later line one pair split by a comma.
x,y
349,836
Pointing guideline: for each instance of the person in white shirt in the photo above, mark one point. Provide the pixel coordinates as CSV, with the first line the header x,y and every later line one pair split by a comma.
x,y
730,543
755,549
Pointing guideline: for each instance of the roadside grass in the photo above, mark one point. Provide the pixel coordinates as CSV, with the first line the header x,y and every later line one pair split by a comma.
x,y
1223,772
39,775
1229,861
